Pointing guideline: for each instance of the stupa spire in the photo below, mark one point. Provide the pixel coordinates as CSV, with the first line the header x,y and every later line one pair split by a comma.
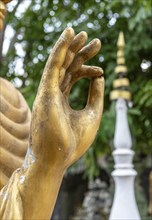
x,y
121,83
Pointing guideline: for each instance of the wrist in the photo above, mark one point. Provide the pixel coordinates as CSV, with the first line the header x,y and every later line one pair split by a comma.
x,y
41,184
35,162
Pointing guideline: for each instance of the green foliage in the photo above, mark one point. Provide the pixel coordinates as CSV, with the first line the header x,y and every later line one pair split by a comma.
x,y
39,26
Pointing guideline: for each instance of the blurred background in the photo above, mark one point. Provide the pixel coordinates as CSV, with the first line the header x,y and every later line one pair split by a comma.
x,y
30,31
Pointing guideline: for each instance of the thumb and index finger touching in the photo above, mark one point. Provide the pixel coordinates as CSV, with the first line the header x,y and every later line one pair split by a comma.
x,y
56,60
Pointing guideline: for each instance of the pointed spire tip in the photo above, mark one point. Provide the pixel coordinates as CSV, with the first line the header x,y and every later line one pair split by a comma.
x,y
121,40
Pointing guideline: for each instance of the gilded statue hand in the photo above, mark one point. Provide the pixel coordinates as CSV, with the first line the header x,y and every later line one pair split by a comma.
x,y
60,135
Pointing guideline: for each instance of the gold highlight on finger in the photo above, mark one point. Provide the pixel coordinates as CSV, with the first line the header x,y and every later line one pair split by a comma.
x,y
90,50
87,72
86,53
68,35
79,41
96,94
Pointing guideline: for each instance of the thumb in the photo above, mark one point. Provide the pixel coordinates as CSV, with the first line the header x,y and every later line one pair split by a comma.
x,y
96,95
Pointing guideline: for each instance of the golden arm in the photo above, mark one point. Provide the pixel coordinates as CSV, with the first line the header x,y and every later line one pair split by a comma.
x,y
59,135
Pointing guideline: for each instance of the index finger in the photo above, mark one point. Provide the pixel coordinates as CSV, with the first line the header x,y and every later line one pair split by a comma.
x,y
77,43
57,56
86,53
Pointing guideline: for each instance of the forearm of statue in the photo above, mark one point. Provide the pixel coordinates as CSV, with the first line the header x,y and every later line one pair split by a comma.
x,y
59,135
31,192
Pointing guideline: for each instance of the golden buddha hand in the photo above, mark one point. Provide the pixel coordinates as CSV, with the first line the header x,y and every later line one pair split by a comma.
x,y
60,135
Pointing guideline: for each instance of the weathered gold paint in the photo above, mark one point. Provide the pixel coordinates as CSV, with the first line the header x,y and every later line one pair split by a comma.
x,y
59,135
2,14
3,11
6,1
15,119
